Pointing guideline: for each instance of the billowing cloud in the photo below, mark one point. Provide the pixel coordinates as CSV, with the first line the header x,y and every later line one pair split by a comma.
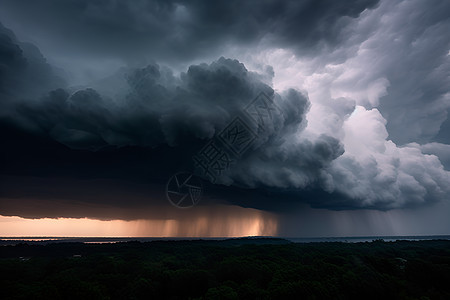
x,y
402,67
396,59
376,173
157,107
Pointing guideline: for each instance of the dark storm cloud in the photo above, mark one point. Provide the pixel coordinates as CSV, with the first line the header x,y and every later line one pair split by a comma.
x,y
158,124
158,108
24,72
179,30
161,109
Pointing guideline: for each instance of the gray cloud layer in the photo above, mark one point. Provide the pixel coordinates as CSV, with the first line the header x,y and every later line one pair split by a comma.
x,y
180,30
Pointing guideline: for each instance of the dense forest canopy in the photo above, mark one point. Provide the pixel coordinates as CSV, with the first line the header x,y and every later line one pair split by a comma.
x,y
230,269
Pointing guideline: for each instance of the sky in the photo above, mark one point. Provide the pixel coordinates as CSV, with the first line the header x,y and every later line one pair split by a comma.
x,y
283,118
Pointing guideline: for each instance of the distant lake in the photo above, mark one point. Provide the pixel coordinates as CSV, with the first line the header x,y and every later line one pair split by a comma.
x,y
362,239
101,240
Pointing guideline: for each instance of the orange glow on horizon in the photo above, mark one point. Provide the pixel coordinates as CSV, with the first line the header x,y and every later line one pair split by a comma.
x,y
248,222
